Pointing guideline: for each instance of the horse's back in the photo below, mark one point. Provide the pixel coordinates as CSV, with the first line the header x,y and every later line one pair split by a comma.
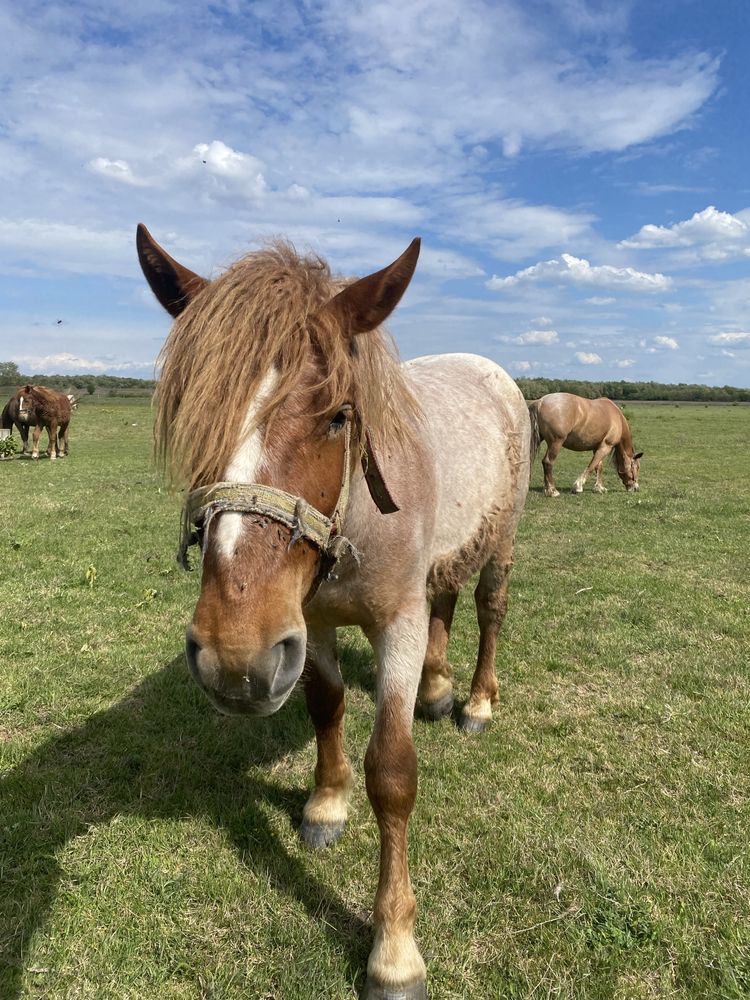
x,y
581,424
478,430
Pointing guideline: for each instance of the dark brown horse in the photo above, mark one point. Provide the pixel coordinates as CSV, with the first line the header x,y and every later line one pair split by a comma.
x,y
339,488
567,421
43,409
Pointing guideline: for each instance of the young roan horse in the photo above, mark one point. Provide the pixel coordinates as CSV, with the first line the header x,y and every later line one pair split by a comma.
x,y
567,421
41,408
338,488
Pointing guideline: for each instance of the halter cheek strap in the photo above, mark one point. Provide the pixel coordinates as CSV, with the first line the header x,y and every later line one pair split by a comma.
x,y
304,520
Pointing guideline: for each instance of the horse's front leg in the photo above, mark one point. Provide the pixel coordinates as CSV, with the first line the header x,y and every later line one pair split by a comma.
x,y
23,430
599,455
324,815
36,434
599,486
395,969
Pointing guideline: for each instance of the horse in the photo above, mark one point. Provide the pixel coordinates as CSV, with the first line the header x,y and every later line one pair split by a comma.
x,y
41,408
339,488
567,421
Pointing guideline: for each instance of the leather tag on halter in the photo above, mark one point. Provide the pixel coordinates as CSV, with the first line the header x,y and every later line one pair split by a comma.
x,y
375,482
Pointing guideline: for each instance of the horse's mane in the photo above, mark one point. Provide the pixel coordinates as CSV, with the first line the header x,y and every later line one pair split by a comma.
x,y
40,394
48,403
264,312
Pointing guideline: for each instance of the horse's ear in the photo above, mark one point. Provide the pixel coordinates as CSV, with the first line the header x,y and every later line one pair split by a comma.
x,y
172,284
639,455
365,304
26,389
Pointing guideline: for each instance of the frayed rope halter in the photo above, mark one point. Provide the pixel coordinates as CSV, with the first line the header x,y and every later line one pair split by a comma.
x,y
305,521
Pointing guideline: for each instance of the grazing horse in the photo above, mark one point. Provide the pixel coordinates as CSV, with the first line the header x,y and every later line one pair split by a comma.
x,y
567,421
41,408
339,488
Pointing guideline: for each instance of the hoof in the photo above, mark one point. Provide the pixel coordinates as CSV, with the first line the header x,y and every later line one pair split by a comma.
x,y
373,991
434,710
552,493
468,724
320,835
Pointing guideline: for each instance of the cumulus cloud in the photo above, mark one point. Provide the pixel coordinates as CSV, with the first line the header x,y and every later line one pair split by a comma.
x,y
600,300
538,337
588,358
717,235
227,166
578,271
669,342
623,363
118,170
66,363
736,339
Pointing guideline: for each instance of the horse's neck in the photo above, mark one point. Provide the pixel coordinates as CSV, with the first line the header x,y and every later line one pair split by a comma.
x,y
624,447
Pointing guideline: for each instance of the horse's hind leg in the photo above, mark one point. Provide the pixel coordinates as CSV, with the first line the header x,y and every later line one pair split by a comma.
x,y
491,597
553,450
325,812
52,443
436,685
62,440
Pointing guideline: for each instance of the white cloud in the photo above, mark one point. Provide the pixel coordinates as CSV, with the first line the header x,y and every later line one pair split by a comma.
x,y
230,169
118,170
577,271
599,300
538,337
531,337
511,228
738,339
586,358
717,235
66,363
623,363
668,342
522,366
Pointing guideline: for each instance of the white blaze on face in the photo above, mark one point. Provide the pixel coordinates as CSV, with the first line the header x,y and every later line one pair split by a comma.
x,y
243,468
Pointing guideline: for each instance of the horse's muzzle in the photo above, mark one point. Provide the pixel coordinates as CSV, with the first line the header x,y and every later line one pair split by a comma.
x,y
259,686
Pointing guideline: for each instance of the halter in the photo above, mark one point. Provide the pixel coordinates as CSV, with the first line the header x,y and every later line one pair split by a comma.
x,y
292,511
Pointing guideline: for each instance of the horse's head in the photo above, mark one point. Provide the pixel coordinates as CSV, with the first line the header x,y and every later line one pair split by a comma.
x,y
628,467
246,643
25,403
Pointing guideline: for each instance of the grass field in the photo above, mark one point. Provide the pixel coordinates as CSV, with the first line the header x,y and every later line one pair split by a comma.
x,y
592,844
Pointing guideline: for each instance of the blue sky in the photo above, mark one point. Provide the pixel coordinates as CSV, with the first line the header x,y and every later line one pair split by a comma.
x,y
578,171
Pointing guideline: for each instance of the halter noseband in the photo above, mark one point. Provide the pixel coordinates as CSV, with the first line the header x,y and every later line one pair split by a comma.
x,y
292,511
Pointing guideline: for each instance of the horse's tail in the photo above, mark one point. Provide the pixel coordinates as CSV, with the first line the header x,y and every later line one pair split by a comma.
x,y
536,437
6,421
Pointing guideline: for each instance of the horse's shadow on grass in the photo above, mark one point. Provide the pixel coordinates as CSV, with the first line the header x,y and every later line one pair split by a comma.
x,y
162,752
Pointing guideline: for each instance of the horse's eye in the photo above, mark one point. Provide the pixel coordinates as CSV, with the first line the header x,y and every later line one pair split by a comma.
x,y
339,421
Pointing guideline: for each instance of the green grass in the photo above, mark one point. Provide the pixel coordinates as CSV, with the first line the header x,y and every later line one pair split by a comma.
x,y
593,844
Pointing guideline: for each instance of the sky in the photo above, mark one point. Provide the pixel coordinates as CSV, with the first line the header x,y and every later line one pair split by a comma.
x,y
577,170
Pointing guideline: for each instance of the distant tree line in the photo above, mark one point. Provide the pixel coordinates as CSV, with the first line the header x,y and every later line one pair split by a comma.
x,y
533,388
112,384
